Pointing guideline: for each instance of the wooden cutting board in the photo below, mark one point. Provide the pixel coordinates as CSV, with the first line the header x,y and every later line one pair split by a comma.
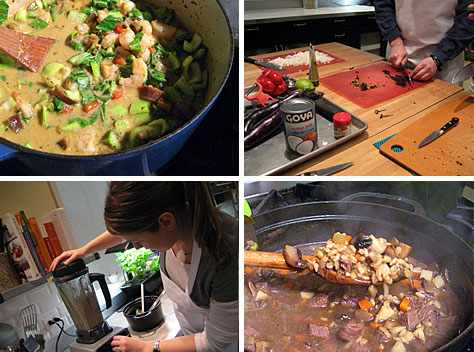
x,y
381,86
450,154
293,69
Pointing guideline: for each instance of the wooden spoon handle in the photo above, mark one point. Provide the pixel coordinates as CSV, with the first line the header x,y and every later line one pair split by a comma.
x,y
271,259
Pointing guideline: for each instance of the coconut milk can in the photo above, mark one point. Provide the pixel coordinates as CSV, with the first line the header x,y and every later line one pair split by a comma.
x,y
299,122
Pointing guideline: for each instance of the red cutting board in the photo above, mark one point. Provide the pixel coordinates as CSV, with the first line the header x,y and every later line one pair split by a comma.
x,y
450,154
371,75
293,69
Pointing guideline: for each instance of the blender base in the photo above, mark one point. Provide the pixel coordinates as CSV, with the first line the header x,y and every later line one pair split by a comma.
x,y
102,345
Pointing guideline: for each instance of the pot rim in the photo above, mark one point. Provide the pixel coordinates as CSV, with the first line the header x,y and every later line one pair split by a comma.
x,y
143,315
111,156
468,329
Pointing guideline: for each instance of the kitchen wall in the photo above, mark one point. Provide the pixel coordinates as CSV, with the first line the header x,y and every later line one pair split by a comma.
x,y
84,203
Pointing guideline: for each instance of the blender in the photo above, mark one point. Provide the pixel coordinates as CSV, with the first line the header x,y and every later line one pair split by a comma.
x,y
74,284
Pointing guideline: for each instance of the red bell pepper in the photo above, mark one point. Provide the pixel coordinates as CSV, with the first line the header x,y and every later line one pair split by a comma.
x,y
272,82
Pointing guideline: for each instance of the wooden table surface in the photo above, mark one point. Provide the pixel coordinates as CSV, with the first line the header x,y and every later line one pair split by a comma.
x,y
405,109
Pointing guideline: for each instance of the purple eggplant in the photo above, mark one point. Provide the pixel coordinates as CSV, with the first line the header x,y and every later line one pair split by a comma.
x,y
258,115
266,127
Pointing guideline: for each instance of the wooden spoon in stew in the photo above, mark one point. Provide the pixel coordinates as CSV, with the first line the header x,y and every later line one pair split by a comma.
x,y
28,50
278,261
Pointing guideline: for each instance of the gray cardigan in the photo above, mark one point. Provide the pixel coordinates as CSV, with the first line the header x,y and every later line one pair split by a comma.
x,y
222,286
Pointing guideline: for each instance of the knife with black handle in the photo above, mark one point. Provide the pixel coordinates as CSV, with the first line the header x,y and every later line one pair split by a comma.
x,y
454,121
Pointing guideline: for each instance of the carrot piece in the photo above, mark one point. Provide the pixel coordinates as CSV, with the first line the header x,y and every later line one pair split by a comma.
x,y
120,61
375,325
404,304
364,304
92,105
415,283
152,50
358,256
283,272
379,351
117,94
349,238
301,337
248,270
66,109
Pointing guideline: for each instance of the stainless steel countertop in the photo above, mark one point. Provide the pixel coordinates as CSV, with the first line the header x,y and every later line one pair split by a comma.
x,y
298,13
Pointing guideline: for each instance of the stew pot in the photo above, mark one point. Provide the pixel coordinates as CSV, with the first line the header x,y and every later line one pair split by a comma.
x,y
309,223
206,17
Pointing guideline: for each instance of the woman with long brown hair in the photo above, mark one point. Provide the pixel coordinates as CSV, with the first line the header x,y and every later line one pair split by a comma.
x,y
198,258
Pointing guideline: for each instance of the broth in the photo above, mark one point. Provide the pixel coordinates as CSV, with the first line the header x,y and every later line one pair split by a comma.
x,y
329,318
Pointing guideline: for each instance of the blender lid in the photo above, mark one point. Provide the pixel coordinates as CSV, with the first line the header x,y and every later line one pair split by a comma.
x,y
76,267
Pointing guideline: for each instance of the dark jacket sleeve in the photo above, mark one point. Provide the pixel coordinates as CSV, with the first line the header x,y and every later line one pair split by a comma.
x,y
458,37
386,19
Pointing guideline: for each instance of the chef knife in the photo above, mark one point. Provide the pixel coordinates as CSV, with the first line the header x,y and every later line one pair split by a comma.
x,y
408,76
263,64
454,121
327,171
463,74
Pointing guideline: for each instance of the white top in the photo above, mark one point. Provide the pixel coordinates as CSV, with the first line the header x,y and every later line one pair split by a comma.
x,y
219,330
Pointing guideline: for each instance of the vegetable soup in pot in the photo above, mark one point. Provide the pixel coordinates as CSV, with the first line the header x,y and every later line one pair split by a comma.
x,y
286,311
118,76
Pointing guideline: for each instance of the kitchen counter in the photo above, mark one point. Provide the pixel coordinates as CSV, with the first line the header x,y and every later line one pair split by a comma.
x,y
167,330
405,109
298,13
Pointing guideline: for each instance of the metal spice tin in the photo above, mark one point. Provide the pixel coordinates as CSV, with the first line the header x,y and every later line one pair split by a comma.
x,y
299,123
342,124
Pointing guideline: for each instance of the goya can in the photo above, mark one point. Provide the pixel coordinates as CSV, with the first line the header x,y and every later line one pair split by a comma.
x,y
299,122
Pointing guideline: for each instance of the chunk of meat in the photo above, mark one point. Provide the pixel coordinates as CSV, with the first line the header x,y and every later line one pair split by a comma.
x,y
426,313
410,319
349,302
350,330
63,143
15,123
357,347
319,301
319,331
150,93
24,106
345,265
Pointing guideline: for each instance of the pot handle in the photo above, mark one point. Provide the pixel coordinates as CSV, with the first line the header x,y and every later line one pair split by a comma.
x,y
387,199
6,152
100,278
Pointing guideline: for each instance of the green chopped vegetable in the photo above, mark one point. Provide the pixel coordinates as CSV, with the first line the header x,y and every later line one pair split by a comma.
x,y
70,126
108,24
3,11
38,24
103,111
142,119
140,107
164,14
76,16
95,67
84,86
192,73
135,14
100,4
21,15
116,13
73,94
122,125
126,70
194,44
185,88
41,100
59,104
1,93
28,145
199,54
52,11
3,77
84,58
44,115
55,73
50,107
32,15
113,139
135,44
5,62
174,61
42,90
155,77
87,10
173,95
119,110
147,15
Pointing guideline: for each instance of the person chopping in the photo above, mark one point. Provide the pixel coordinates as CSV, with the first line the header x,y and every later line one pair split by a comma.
x,y
428,36
198,248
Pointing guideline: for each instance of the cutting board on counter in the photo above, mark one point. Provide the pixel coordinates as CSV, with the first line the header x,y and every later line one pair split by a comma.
x,y
383,87
450,154
297,68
